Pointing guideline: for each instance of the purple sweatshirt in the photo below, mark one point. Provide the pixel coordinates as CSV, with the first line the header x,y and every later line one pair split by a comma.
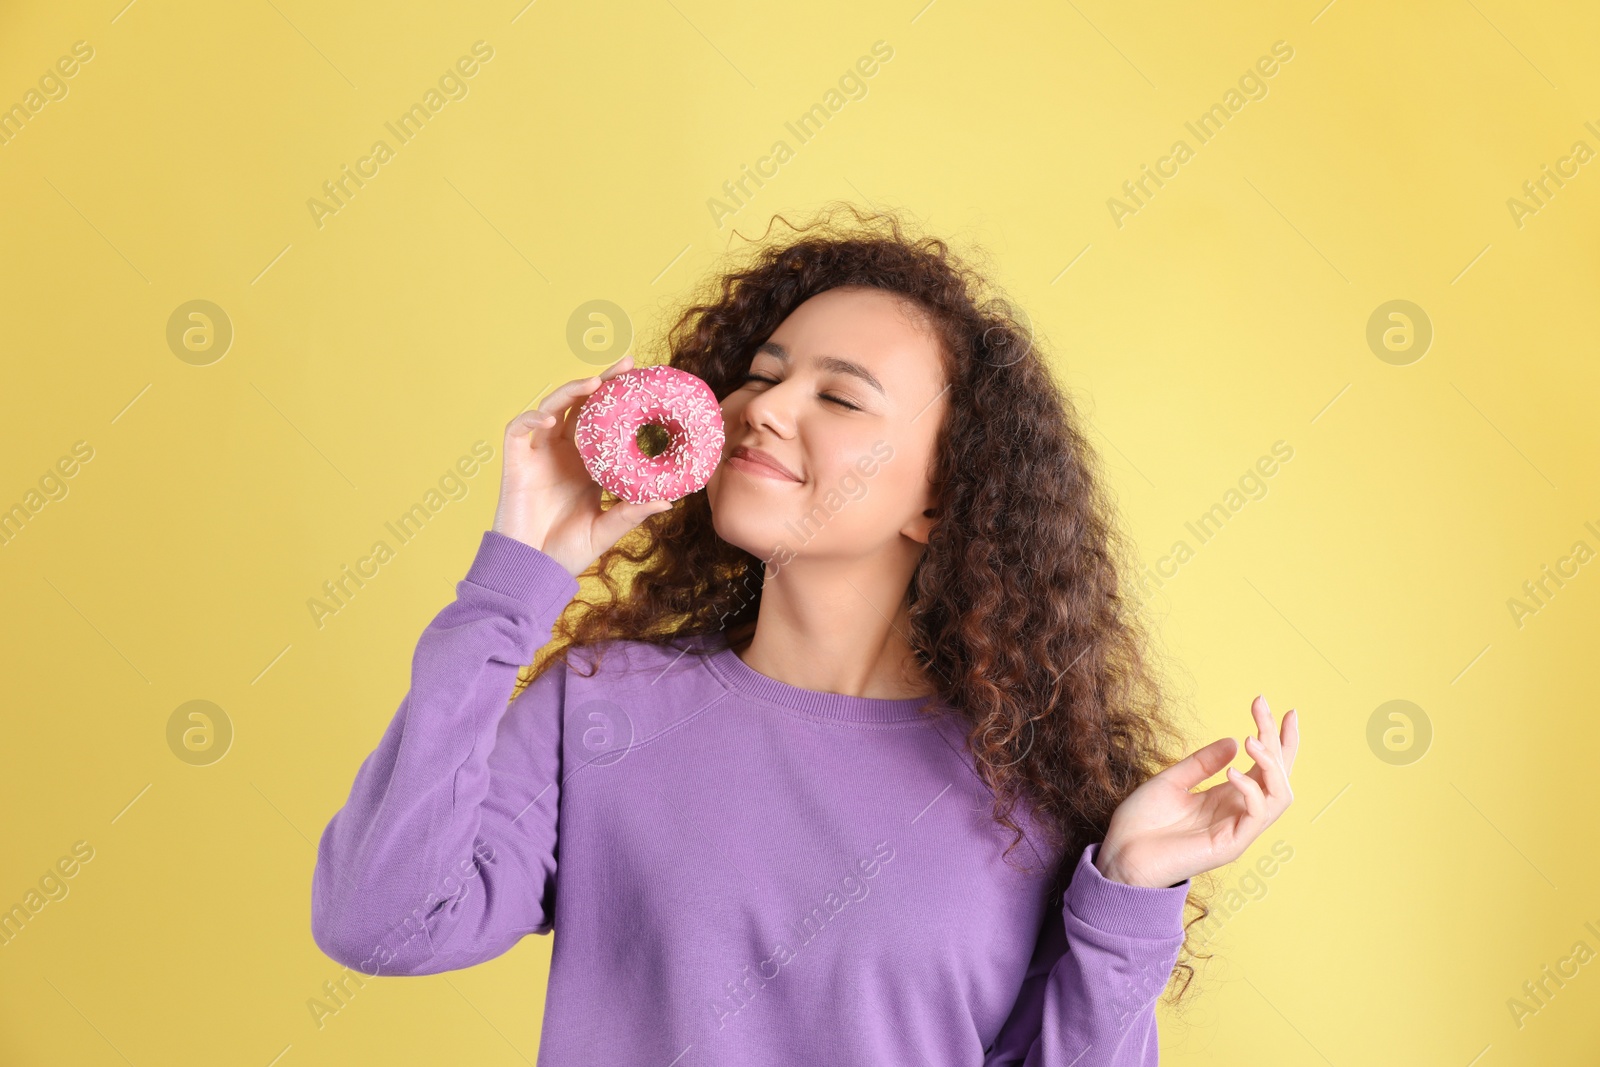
x,y
736,870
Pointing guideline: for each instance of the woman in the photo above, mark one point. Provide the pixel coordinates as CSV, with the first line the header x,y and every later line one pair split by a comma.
x,y
867,764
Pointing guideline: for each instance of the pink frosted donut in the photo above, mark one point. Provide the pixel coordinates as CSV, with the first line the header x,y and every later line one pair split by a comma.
x,y
680,403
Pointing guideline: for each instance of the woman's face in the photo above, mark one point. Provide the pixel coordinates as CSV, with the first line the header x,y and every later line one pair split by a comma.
x,y
848,393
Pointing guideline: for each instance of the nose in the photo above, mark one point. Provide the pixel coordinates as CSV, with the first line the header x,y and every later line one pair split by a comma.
x,y
772,409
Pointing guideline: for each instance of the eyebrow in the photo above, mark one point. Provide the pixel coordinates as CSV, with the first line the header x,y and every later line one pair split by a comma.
x,y
833,363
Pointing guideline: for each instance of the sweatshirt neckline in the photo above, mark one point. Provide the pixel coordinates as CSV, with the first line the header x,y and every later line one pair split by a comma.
x,y
840,707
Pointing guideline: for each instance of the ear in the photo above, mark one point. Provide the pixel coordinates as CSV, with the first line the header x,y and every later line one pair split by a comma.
x,y
920,527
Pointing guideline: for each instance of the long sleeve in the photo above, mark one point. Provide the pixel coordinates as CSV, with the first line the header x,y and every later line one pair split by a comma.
x,y
444,855
1102,960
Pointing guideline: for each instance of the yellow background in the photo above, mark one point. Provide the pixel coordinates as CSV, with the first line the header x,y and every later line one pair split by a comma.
x,y
369,354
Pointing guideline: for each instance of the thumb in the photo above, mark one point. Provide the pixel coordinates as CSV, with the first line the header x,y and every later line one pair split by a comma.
x,y
623,516
1202,763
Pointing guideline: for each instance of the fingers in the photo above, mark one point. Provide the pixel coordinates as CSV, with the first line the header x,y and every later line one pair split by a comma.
x,y
1255,802
1270,739
1291,739
528,421
1265,787
562,405
527,430
1273,778
549,411
563,396
1266,729
546,420
1270,775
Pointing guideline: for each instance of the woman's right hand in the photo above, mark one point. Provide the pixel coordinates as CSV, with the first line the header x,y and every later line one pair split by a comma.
x,y
547,497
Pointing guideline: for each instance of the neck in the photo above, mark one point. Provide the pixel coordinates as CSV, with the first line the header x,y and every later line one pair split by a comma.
x,y
837,627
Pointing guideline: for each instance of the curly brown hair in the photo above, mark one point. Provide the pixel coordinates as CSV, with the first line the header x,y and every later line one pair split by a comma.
x,y
1021,611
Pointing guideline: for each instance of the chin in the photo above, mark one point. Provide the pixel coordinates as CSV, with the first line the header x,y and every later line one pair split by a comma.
x,y
759,531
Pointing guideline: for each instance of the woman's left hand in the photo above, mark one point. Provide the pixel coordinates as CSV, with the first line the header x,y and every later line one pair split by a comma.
x,y
1162,833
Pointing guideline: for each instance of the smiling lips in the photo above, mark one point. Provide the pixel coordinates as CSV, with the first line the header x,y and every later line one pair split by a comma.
x,y
765,464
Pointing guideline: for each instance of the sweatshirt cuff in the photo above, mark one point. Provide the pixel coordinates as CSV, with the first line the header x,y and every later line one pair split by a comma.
x,y
1127,910
520,571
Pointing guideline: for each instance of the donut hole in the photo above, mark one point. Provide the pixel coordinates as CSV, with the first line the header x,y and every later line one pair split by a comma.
x,y
653,439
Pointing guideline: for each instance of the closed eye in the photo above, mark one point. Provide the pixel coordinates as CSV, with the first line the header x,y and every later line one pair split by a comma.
x,y
771,381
